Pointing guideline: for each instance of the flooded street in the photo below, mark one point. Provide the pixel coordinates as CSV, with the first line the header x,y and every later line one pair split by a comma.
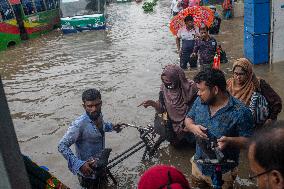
x,y
45,77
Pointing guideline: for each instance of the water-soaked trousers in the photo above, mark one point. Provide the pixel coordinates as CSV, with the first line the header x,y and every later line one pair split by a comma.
x,y
186,51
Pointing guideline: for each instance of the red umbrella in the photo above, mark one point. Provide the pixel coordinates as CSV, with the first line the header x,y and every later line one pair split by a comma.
x,y
200,15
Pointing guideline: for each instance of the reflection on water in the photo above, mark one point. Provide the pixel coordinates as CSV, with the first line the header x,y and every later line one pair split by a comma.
x,y
44,79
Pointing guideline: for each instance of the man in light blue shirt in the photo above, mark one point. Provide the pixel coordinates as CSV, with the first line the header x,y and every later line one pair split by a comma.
x,y
87,132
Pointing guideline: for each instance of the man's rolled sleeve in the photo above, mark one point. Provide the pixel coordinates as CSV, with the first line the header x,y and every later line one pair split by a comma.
x,y
71,136
75,165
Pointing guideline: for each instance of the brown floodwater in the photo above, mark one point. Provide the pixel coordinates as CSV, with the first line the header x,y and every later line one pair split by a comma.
x,y
45,77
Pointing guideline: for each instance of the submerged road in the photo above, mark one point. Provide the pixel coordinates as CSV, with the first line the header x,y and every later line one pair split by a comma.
x,y
45,77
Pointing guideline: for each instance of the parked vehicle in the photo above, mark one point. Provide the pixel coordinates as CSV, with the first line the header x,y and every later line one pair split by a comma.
x,y
83,15
21,20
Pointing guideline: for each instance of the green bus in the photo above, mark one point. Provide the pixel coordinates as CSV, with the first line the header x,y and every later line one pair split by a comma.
x,y
24,19
83,15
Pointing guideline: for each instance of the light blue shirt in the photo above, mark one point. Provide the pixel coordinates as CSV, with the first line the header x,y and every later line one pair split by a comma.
x,y
88,141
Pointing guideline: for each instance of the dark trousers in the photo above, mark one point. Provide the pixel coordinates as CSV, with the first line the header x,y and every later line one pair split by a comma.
x,y
88,183
186,51
179,138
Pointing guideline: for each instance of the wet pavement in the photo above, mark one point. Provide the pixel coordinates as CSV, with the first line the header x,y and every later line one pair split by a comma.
x,y
44,79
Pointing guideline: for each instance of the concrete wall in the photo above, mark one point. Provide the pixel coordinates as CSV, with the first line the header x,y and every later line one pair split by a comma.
x,y
277,35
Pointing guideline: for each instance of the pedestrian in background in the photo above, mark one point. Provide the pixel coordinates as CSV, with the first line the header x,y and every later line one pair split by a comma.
x,y
176,7
205,48
185,40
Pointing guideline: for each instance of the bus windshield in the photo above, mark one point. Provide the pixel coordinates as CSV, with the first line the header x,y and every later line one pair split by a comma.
x,y
72,8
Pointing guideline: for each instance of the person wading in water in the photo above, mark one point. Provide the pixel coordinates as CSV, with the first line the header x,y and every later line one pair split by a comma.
x,y
176,96
186,35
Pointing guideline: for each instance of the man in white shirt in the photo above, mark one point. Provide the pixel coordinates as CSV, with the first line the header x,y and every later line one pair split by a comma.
x,y
187,35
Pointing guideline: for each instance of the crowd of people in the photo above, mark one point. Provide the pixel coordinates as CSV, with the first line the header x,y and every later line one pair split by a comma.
x,y
194,44
234,114
265,155
221,113
204,109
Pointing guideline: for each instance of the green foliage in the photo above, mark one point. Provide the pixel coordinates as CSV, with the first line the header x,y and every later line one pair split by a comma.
x,y
149,5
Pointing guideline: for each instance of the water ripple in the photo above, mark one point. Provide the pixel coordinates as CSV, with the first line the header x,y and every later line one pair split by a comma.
x,y
45,77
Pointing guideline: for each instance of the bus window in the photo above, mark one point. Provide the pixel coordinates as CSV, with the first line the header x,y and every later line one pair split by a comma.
x,y
6,11
50,4
39,4
28,7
